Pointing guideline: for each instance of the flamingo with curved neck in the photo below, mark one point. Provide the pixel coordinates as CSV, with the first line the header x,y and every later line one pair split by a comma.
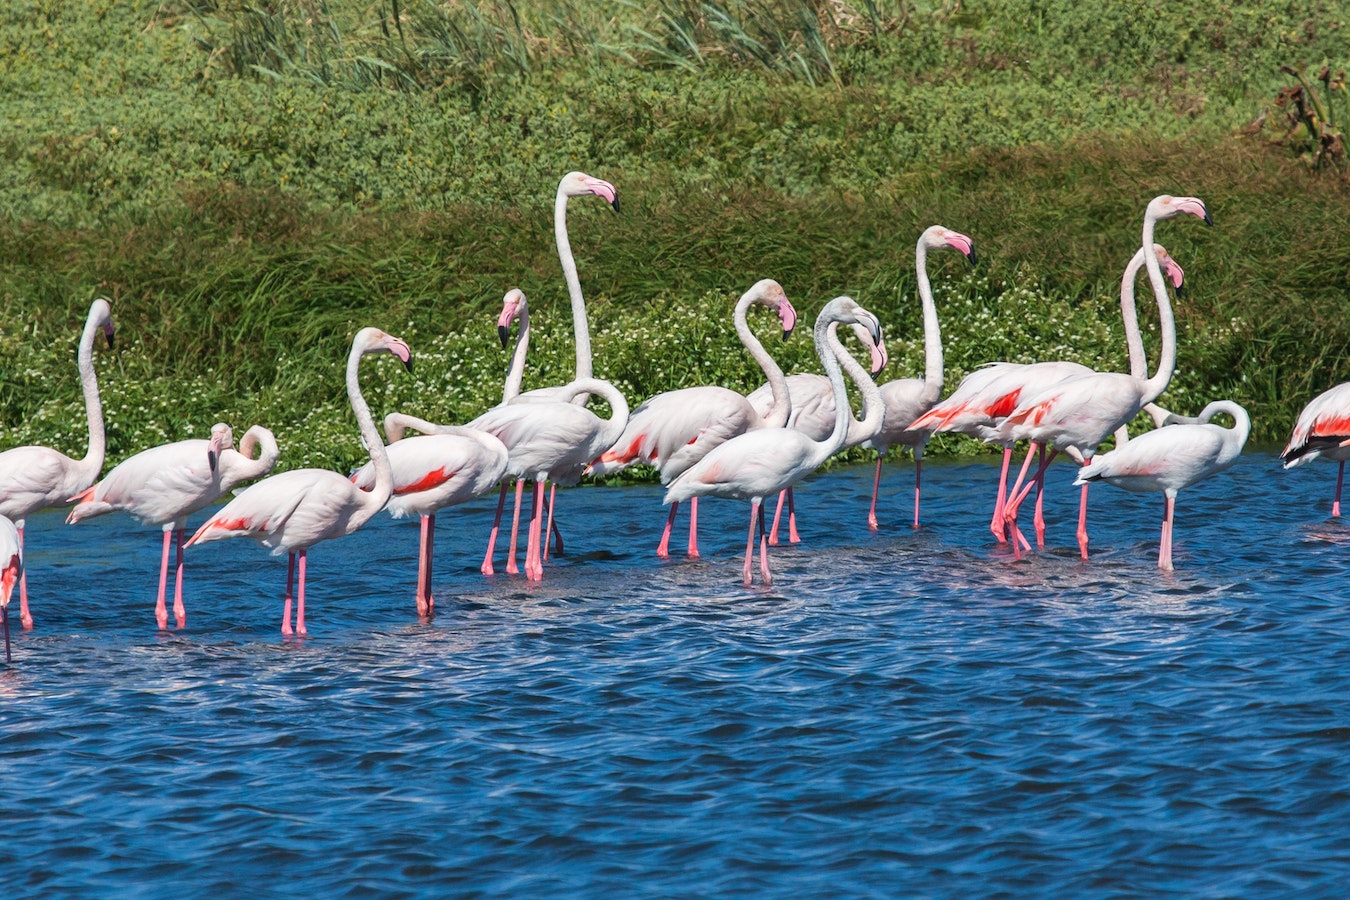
x,y
33,478
762,462
675,429
295,510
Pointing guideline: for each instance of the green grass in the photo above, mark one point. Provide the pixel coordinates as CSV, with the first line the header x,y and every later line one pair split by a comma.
x,y
246,223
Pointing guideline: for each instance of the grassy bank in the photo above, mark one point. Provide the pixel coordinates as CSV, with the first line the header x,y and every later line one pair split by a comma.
x,y
246,221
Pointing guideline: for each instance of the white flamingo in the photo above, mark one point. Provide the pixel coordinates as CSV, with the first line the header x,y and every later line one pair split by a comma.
x,y
675,429
166,484
33,478
1171,458
1321,430
442,467
763,462
295,510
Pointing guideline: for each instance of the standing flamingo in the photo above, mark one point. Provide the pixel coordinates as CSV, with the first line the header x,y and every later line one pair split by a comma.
x,y
33,478
295,510
762,462
1320,430
553,440
906,399
1076,415
444,466
11,570
166,484
1171,458
676,429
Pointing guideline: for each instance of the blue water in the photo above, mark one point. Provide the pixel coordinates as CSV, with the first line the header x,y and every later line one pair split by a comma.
x,y
902,713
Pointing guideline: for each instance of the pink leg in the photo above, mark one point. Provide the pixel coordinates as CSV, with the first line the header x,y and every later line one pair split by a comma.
x,y
1165,544
179,609
1038,519
552,526
290,588
424,601
486,568
1340,474
663,548
4,624
693,527
25,617
764,574
793,536
300,597
511,567
161,611
876,487
1013,500
756,517
534,565
918,472
997,524
777,513
1082,523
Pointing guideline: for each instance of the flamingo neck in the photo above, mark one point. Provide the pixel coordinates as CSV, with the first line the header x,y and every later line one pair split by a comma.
x,y
516,372
618,405
1167,360
932,333
374,500
265,443
781,408
874,408
93,407
569,267
831,351
1134,340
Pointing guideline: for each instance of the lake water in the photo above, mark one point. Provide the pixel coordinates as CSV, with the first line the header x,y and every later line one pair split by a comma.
x,y
902,714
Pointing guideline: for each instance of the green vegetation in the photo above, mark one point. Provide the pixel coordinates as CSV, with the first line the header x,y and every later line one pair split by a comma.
x,y
251,183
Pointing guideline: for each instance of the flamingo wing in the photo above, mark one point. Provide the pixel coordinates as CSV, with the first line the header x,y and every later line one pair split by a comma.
x,y
157,485
433,471
1320,428
289,511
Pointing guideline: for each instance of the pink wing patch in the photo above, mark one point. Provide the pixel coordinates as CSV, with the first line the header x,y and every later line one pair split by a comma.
x,y
432,479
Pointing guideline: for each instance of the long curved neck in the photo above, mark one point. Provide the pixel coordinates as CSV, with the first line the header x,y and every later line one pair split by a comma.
x,y
1242,423
1168,359
1134,340
778,412
93,457
874,408
569,267
831,352
374,500
618,404
932,334
516,373
266,443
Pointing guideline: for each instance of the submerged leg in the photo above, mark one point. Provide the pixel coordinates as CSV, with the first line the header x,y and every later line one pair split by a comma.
x,y
756,517
793,536
161,610
553,528
486,568
663,548
290,588
1165,544
179,609
777,513
693,527
1340,475
511,567
1082,523
764,574
534,565
876,487
424,553
300,596
25,617
997,524
918,473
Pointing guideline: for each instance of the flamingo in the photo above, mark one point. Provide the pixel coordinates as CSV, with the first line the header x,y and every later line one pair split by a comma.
x,y
444,466
762,462
905,399
553,440
1321,430
166,484
1078,414
813,412
33,478
986,396
1171,458
11,570
295,510
675,429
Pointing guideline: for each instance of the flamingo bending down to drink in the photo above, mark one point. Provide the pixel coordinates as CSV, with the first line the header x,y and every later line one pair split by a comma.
x,y
295,510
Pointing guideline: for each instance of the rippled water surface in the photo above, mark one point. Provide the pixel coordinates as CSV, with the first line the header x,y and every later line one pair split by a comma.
x,y
902,713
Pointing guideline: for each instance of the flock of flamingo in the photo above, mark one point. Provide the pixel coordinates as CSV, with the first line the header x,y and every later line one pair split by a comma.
x,y
704,441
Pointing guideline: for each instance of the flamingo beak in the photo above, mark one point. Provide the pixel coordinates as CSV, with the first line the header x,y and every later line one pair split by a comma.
x,y
212,458
108,333
504,334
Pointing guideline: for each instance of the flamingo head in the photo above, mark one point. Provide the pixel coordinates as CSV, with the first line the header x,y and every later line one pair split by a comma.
x,y
513,307
846,309
100,311
579,184
771,294
222,439
373,340
877,346
937,237
1170,267
1166,206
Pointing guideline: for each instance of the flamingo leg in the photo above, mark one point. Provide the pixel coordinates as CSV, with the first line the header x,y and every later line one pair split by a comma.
x,y
179,609
756,517
161,611
25,617
1082,522
1013,500
777,513
511,567
918,473
4,624
693,527
553,528
290,587
663,548
793,536
548,532
424,553
764,573
876,487
486,567
1039,518
1340,474
997,524
534,566
1165,544
300,596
